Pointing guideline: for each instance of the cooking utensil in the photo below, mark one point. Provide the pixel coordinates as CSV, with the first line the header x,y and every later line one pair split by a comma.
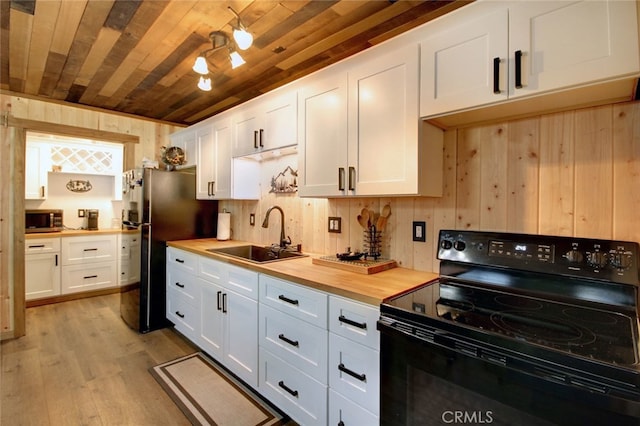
x,y
382,219
364,219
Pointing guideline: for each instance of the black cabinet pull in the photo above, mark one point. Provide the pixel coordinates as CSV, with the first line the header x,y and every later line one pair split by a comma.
x,y
518,55
90,276
286,299
37,246
362,325
179,314
289,341
224,303
179,260
180,285
261,134
288,389
255,139
361,377
496,76
91,249
56,260
340,178
340,423
218,296
352,178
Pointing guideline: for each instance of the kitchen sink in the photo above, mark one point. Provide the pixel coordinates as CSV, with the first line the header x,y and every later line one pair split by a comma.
x,y
258,254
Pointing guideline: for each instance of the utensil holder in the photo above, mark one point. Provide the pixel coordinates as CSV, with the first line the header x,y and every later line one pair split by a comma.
x,y
372,242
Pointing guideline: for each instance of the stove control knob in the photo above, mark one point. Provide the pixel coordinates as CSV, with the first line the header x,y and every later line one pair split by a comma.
x,y
459,245
574,256
621,260
446,244
597,259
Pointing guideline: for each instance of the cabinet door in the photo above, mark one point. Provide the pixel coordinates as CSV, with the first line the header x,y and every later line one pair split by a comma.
x,y
222,157
246,130
280,126
564,44
42,275
214,161
323,137
241,336
37,163
206,164
211,319
383,124
457,64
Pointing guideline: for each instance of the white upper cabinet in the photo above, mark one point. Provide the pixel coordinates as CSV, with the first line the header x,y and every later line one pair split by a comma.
x,y
37,163
213,147
322,154
265,124
563,44
491,52
360,130
464,65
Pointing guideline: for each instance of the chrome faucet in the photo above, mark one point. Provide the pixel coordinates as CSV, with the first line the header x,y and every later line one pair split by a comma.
x,y
265,224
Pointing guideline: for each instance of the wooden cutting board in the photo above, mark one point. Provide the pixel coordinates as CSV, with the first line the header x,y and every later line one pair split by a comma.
x,y
366,267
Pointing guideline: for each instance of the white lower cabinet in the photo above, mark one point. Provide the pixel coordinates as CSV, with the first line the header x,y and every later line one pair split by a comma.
x,y
183,292
303,398
293,349
354,361
229,317
42,268
343,411
89,263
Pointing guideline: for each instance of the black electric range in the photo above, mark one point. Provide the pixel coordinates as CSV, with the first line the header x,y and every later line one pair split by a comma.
x,y
554,320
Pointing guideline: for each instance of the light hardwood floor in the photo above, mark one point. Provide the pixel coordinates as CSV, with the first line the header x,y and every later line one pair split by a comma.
x,y
79,364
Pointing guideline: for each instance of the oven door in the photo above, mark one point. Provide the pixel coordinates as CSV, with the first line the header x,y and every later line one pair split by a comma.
x,y
434,379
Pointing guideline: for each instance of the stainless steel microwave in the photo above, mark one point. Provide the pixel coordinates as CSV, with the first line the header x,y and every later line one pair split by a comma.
x,y
43,221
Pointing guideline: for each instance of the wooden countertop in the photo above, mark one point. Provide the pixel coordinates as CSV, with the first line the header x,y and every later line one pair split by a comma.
x,y
371,289
77,233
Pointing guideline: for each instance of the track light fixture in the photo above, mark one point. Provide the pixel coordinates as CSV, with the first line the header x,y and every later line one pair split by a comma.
x,y
242,39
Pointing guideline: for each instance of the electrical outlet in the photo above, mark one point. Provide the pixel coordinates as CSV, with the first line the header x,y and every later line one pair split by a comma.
x,y
252,219
420,231
81,212
335,225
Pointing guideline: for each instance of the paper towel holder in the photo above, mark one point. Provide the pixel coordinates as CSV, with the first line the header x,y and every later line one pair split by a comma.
x,y
224,230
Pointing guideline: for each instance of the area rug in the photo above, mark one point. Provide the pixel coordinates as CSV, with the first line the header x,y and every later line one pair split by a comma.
x,y
208,395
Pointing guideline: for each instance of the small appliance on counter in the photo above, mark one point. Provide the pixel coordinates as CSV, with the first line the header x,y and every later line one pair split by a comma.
x,y
42,221
92,220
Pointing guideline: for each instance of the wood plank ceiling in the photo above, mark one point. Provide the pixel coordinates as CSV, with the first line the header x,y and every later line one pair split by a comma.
x,y
135,57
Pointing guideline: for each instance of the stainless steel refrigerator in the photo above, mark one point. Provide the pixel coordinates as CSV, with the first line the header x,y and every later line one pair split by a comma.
x,y
162,205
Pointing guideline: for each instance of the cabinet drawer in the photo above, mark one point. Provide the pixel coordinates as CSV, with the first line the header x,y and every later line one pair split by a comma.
x,y
79,250
212,270
184,283
92,276
355,321
298,343
343,411
298,395
242,281
42,245
354,371
295,300
184,315
182,260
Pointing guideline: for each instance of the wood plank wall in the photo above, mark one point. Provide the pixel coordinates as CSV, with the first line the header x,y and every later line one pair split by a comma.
x,y
574,173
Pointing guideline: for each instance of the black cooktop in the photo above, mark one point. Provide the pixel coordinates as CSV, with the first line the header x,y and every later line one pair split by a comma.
x,y
589,332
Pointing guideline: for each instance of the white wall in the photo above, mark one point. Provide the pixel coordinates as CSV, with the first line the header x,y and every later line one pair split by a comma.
x,y
99,197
